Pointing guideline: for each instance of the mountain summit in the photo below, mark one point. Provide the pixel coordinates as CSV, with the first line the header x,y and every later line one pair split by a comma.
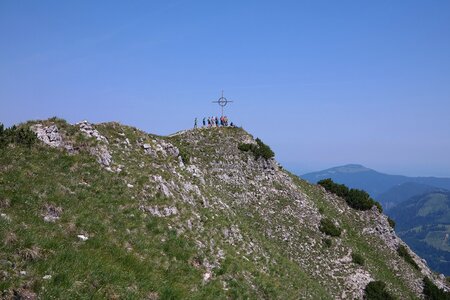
x,y
109,211
350,168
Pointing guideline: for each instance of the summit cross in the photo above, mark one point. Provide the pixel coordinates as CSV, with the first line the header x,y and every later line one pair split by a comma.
x,y
222,102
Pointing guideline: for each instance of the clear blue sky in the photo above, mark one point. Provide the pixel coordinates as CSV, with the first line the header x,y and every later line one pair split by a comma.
x,y
323,82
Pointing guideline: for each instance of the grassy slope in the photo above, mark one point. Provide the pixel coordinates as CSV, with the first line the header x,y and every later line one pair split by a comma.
x,y
131,254
158,260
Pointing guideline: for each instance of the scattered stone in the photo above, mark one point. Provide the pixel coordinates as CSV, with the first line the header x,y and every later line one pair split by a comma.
x,y
51,213
152,296
5,203
82,237
47,277
103,155
160,212
130,185
24,294
163,188
207,276
5,217
89,131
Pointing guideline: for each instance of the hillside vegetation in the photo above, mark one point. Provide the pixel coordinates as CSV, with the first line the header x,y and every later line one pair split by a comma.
x,y
109,211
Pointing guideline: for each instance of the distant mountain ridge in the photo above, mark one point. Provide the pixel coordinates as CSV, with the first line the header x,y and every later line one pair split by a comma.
x,y
403,192
374,182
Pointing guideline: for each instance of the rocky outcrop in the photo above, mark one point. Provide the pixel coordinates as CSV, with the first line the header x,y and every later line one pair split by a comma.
x,y
102,154
88,130
49,135
100,151
160,148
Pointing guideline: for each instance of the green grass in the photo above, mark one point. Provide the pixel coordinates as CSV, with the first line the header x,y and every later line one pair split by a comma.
x,y
131,254
101,266
403,252
327,226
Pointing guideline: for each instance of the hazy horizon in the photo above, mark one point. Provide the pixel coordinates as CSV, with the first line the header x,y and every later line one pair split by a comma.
x,y
324,83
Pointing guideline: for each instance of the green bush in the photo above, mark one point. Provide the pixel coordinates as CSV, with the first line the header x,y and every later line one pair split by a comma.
x,y
264,150
357,199
391,222
327,226
358,259
432,292
327,242
185,156
18,136
339,189
258,150
246,147
376,290
403,252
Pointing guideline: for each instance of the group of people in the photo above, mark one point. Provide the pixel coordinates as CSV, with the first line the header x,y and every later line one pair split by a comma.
x,y
214,122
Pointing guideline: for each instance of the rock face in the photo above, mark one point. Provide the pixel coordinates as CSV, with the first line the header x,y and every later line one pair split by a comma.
x,y
254,226
89,130
49,135
101,151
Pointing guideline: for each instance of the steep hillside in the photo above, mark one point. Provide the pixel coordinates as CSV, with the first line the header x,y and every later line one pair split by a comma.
x,y
109,211
424,223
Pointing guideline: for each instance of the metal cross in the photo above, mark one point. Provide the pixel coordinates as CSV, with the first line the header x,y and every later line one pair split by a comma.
x,y
222,102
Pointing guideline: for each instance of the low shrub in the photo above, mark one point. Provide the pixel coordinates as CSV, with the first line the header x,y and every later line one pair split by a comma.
x,y
327,226
18,136
327,242
391,222
376,290
263,150
357,199
358,259
403,252
245,147
185,156
340,190
258,150
432,292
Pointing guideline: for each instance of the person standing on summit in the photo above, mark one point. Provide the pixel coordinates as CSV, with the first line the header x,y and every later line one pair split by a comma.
x,y
195,123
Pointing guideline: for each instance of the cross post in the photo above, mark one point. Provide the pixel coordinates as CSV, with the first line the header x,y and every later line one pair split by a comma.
x,y
222,102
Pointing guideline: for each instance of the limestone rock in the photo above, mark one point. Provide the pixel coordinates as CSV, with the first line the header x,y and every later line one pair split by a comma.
x,y
160,212
49,135
82,237
51,213
89,131
102,154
